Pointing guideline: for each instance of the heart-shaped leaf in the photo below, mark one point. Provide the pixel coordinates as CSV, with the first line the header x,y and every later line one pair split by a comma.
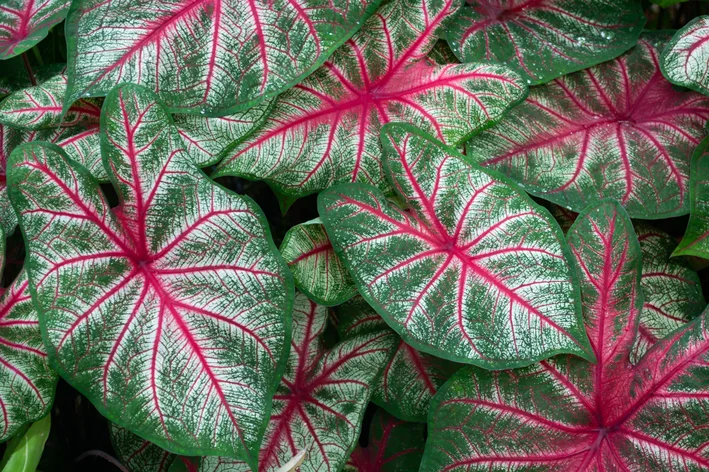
x,y
204,56
322,397
317,270
685,60
26,381
24,23
696,237
170,313
410,378
394,446
138,454
472,270
566,414
545,39
326,129
617,130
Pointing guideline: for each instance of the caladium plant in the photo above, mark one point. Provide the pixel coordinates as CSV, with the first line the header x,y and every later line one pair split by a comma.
x,y
170,312
566,414
545,39
204,56
138,454
617,130
24,23
488,283
326,129
685,60
696,238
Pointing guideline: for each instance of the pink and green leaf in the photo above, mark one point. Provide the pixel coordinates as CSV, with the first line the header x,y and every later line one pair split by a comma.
x,y
394,446
696,236
325,130
471,270
565,414
685,59
181,285
617,130
316,269
545,39
24,23
138,454
204,56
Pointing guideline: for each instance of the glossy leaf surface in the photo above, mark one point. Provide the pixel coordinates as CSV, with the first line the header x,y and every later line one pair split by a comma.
x,y
696,237
472,270
24,23
685,60
322,397
394,446
410,378
24,452
170,313
138,454
317,270
326,129
617,130
566,414
204,56
545,39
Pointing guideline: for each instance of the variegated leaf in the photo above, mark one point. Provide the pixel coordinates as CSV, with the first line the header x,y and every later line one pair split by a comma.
x,y
685,60
326,129
138,454
24,23
545,39
322,397
410,378
471,270
394,446
696,237
617,130
40,107
206,56
317,270
169,313
565,414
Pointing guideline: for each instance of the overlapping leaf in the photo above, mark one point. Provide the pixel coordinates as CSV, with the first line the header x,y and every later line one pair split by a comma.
x,y
26,381
617,130
317,270
685,60
322,397
24,23
170,313
204,55
472,270
410,378
326,129
545,39
394,446
138,454
566,414
696,237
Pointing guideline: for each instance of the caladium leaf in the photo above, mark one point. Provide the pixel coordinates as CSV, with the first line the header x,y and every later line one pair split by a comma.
x,y
603,132
40,107
317,270
545,39
566,414
673,292
138,454
394,446
207,138
170,313
204,56
24,23
410,378
696,238
472,271
326,129
26,381
321,400
685,60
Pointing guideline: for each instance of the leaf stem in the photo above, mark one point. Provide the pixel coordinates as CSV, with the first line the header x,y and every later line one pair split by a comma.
x,y
28,67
